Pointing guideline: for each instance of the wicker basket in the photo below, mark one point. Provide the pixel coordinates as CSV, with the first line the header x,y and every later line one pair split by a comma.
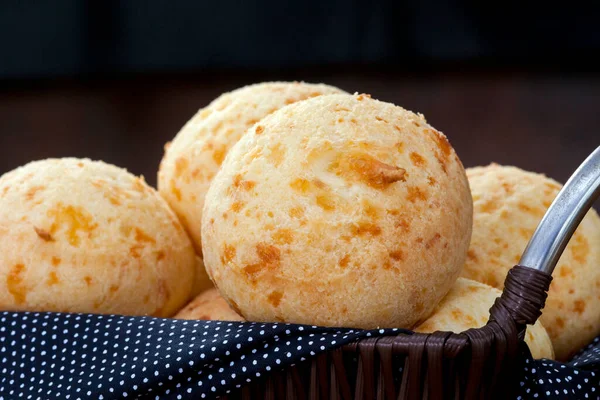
x,y
479,363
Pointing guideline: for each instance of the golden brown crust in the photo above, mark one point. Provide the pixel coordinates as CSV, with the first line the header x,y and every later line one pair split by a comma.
x,y
209,305
508,205
341,226
467,306
84,236
195,155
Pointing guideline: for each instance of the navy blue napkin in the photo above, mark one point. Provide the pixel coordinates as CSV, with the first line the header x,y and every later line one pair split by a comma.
x,y
81,356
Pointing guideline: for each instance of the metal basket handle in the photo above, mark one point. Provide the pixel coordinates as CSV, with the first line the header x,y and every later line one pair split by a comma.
x,y
564,215
489,358
526,285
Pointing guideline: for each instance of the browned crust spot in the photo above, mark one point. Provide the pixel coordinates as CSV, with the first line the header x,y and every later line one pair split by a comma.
x,y
268,254
175,190
551,188
228,254
301,185
275,298
52,279
141,236
344,261
240,183
269,258
580,248
365,228
397,255
276,154
217,127
219,154
237,206
417,159
444,149
181,164
525,233
457,315
472,256
43,234
508,188
369,209
15,285
339,108
33,191
75,220
296,212
134,251
489,206
415,194
56,261
88,280
534,211
579,306
325,202
402,224
138,185
283,236
373,172
565,271
433,241
442,143
259,129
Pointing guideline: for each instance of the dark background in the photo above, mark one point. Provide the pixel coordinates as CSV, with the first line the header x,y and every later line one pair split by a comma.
x,y
515,84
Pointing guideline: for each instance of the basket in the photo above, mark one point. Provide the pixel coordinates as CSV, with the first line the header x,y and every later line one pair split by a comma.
x,y
479,363
385,364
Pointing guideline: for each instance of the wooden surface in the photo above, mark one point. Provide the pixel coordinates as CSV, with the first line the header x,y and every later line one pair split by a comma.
x,y
546,123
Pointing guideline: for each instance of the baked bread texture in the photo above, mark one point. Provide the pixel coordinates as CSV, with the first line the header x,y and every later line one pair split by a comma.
x,y
340,210
195,155
467,306
83,236
208,306
508,205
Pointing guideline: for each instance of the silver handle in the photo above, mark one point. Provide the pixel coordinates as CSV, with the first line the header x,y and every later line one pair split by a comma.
x,y
564,215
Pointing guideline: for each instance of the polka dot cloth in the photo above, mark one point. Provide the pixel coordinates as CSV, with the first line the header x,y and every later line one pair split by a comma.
x,y
546,379
589,356
77,356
